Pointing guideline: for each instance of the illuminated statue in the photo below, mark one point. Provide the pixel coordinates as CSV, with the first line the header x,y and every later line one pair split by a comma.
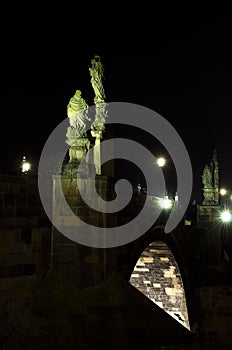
x,y
80,121
210,180
216,176
98,125
207,177
96,72
77,111
208,190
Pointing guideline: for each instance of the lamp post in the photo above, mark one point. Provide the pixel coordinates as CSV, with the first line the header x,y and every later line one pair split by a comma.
x,y
165,203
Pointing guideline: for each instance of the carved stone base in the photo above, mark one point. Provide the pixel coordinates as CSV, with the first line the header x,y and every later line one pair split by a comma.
x,y
72,169
78,149
77,153
208,194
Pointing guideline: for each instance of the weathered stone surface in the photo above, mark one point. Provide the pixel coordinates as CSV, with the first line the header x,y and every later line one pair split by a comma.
x,y
25,248
111,315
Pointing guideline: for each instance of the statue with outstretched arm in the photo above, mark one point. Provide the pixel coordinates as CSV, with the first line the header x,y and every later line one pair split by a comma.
x,y
97,74
98,126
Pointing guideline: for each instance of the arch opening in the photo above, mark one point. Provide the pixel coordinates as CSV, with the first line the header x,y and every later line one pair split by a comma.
x,y
157,275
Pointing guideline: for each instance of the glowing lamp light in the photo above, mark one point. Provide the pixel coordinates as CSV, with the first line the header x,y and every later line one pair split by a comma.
x,y
161,162
223,191
226,216
166,203
26,166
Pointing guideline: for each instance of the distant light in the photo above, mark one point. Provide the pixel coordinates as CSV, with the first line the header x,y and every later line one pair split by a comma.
x,y
165,203
161,161
223,191
139,187
187,222
26,166
226,216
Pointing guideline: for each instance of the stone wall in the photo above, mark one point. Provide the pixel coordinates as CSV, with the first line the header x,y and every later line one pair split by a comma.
x,y
25,244
215,316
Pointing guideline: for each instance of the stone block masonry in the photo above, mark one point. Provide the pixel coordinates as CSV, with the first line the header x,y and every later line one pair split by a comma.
x,y
25,248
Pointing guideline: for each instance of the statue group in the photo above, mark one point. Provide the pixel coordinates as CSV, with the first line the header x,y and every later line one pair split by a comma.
x,y
81,122
210,180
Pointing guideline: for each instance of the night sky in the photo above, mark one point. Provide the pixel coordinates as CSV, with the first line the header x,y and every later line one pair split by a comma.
x,y
183,72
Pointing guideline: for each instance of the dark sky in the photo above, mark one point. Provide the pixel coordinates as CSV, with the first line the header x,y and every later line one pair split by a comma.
x,y
183,72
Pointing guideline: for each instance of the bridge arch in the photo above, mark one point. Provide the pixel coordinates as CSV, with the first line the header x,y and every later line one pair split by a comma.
x,y
158,270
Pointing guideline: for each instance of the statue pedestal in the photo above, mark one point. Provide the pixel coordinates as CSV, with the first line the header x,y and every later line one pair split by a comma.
x,y
208,196
69,256
77,152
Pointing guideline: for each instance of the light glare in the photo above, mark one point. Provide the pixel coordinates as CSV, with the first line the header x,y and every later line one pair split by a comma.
x,y
165,203
26,167
161,161
225,216
223,191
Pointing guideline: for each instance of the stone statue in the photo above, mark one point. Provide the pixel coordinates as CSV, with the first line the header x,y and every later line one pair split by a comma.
x,y
77,111
207,178
81,121
96,72
208,190
98,125
216,169
210,180
216,176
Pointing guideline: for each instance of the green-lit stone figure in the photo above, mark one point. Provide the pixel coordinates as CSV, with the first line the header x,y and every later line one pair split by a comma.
x,y
98,126
97,73
210,180
216,176
80,121
208,190
77,111
207,177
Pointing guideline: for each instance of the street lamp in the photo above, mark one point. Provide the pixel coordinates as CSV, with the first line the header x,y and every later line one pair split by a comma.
x,y
226,197
226,216
165,203
223,191
161,161
26,166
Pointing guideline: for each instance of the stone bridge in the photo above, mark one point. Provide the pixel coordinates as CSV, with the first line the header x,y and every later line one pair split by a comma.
x,y
165,291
